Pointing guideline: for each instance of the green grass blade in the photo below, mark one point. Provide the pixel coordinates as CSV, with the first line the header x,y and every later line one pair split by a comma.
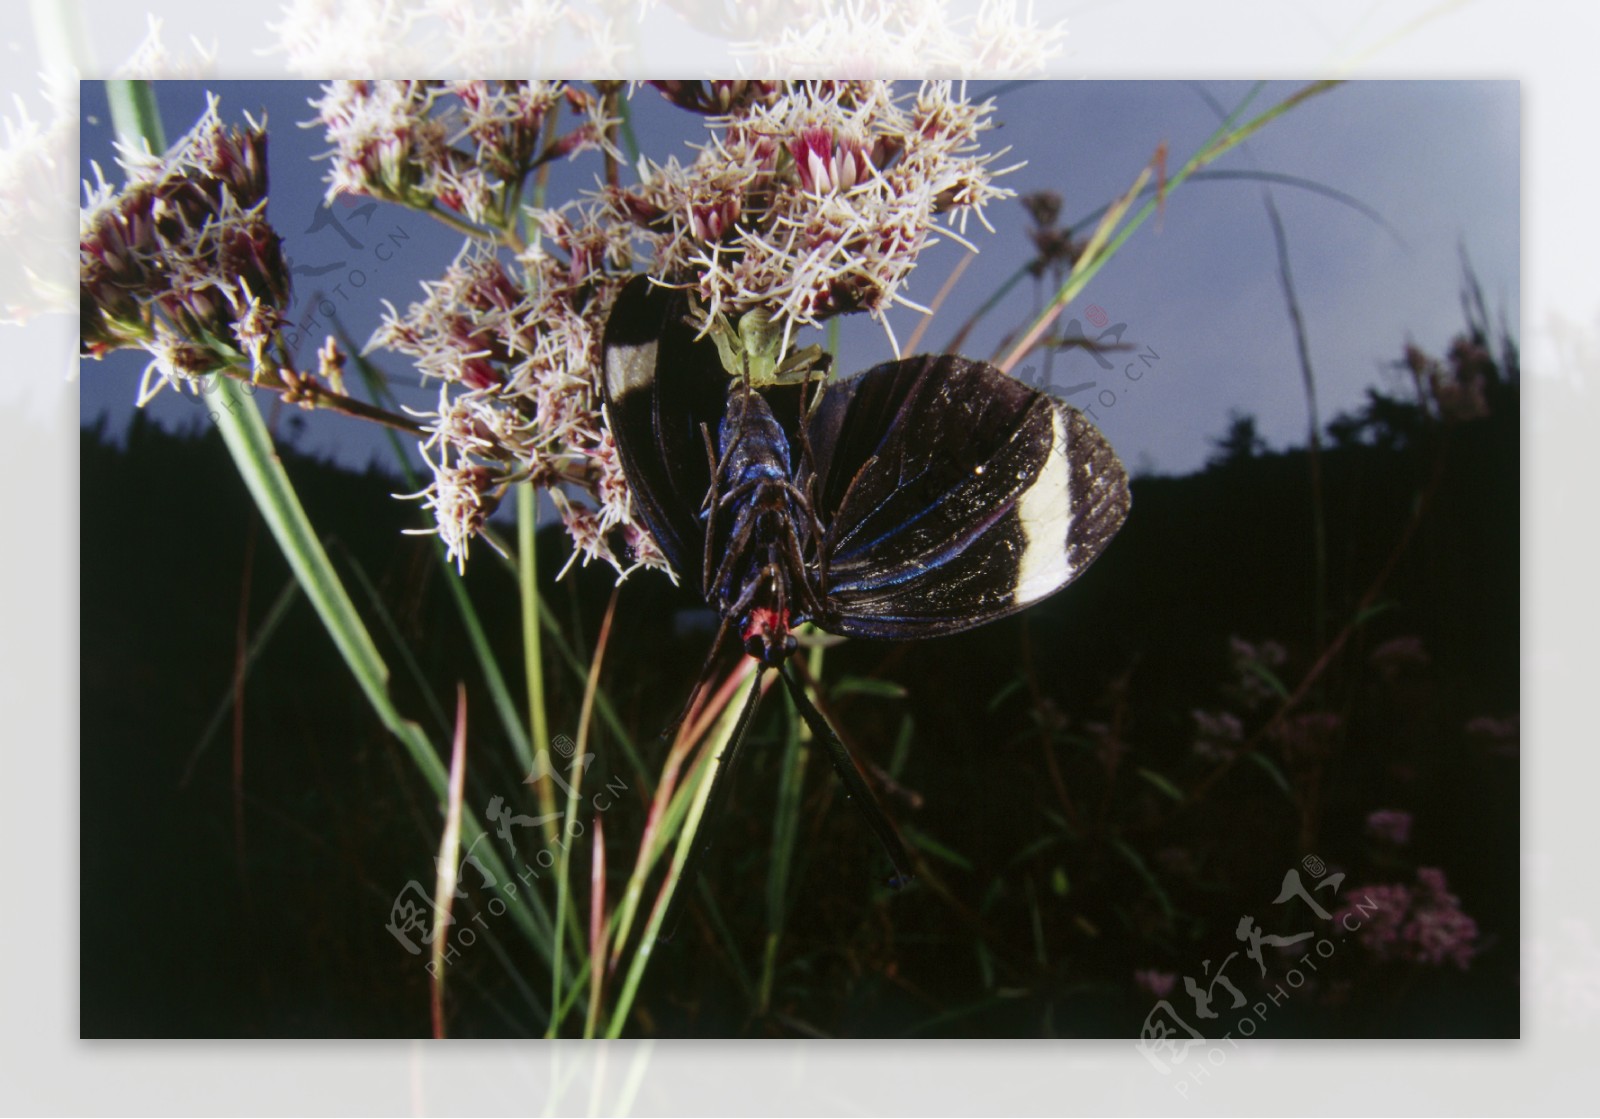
x,y
1223,140
250,445
1166,787
248,441
604,708
577,767
135,113
258,643
494,679
407,659
785,832
1272,771
448,864
1133,859
925,842
699,789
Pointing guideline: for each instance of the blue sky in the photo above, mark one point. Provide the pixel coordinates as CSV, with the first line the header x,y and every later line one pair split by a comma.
x,y
1198,284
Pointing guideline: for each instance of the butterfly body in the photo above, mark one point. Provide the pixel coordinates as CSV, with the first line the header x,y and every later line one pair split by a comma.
x,y
763,583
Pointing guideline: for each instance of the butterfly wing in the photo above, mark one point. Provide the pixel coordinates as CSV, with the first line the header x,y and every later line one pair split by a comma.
x,y
952,495
658,386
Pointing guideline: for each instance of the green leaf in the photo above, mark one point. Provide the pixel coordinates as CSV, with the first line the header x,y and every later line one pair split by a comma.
x,y
1373,611
1004,694
902,747
936,849
865,685
1273,772
1044,842
1162,784
1058,882
1270,677
248,441
1134,860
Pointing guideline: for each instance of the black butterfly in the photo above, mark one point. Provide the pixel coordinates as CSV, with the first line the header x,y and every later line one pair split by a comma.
x,y
923,497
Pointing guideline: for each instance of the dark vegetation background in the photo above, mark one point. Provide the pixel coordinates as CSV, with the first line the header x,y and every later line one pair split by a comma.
x,y
1089,843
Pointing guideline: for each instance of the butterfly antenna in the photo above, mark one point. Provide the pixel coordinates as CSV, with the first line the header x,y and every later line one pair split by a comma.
x,y
855,784
712,817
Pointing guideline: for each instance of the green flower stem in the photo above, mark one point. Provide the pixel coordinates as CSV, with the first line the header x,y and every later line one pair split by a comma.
x,y
505,553
532,650
135,113
576,768
466,228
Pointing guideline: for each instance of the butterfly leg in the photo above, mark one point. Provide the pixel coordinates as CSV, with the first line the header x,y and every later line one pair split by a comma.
x,y
819,535
711,512
794,560
743,527
829,542
715,500
808,461
855,785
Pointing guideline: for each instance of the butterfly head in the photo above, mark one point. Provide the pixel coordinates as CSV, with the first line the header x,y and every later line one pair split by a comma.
x,y
766,635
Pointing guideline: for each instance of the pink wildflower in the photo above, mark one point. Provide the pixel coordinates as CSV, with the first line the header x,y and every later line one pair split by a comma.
x,y
1390,826
1159,983
1422,925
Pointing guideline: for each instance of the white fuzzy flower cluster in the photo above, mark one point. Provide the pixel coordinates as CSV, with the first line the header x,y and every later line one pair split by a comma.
x,y
833,37
386,141
152,60
182,261
513,350
806,38
37,180
452,37
807,200
401,141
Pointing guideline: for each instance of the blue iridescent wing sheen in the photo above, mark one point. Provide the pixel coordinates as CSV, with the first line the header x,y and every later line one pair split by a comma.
x,y
952,494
